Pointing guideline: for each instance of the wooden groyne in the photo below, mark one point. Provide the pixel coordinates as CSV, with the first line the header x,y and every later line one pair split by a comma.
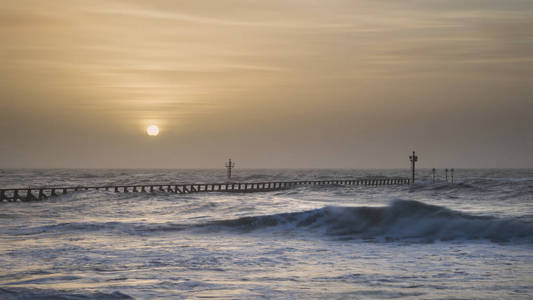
x,y
40,193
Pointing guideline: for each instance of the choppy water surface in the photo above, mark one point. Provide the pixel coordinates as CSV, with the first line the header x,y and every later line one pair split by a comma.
x,y
470,239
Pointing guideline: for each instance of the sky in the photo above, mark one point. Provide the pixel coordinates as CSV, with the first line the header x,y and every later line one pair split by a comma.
x,y
271,84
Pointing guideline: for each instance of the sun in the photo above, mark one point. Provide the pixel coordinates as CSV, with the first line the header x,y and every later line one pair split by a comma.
x,y
152,130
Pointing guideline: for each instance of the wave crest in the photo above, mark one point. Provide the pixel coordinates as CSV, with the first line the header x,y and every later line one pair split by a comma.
x,y
402,219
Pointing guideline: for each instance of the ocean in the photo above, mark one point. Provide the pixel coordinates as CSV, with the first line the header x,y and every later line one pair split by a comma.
x,y
472,239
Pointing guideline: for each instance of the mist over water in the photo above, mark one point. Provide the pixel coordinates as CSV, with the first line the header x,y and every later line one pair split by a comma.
x,y
470,239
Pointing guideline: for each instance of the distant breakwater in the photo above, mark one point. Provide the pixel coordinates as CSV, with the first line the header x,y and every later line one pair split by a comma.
x,y
40,193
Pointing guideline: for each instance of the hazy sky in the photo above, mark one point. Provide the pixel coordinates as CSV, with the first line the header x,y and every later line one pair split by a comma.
x,y
277,83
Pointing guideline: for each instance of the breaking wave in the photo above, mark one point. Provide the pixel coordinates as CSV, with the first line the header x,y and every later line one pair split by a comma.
x,y
402,219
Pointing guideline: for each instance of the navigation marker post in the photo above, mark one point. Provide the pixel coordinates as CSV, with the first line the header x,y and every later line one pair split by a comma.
x,y
452,174
229,165
413,158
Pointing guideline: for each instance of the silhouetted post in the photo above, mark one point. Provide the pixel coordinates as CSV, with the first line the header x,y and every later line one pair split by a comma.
x,y
230,165
29,195
413,158
446,175
452,174
433,170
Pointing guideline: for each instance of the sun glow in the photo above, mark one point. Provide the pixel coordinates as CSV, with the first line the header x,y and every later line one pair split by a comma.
x,y
152,130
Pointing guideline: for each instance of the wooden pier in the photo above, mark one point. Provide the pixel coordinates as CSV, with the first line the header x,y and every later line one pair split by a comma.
x,y
40,193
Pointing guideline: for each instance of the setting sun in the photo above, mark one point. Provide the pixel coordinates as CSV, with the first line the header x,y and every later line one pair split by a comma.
x,y
152,130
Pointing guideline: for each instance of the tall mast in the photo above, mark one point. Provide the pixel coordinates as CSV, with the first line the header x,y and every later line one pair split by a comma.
x,y
413,158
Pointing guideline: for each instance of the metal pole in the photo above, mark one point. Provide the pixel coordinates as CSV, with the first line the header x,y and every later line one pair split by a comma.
x,y
413,158
229,165
452,174
433,170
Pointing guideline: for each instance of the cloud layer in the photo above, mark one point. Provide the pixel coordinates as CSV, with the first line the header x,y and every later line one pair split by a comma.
x,y
270,83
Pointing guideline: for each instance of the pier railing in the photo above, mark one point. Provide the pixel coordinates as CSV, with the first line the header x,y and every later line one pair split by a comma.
x,y
40,193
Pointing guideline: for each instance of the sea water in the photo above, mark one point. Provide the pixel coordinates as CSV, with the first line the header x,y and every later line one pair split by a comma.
x,y
471,239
